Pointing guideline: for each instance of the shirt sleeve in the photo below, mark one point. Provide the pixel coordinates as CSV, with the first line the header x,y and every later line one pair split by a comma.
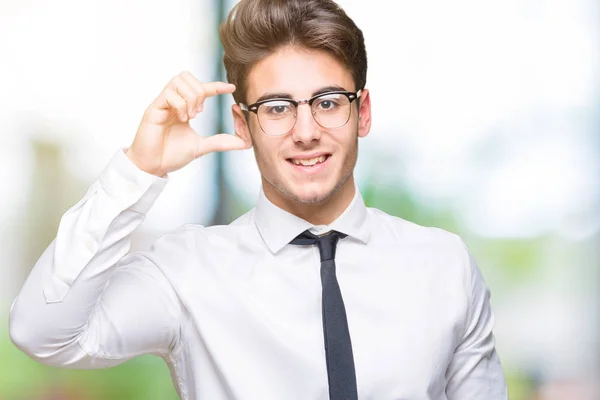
x,y
87,303
475,371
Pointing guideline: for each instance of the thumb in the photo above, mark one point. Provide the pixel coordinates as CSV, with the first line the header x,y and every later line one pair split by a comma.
x,y
220,142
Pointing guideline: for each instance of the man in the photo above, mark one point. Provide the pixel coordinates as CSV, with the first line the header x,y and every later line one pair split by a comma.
x,y
310,295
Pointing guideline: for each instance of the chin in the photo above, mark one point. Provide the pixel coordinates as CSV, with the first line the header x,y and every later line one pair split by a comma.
x,y
312,199
307,195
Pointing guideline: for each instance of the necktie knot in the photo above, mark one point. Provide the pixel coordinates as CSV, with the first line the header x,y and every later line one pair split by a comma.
x,y
327,243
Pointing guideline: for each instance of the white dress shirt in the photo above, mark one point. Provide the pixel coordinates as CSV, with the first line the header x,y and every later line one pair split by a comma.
x,y
235,311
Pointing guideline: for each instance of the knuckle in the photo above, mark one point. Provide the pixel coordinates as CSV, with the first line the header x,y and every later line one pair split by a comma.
x,y
170,94
177,81
148,112
172,97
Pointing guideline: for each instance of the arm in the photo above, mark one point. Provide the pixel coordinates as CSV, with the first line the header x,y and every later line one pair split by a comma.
x,y
84,305
475,371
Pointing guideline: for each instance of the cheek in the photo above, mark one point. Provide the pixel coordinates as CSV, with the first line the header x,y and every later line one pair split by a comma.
x,y
266,151
349,141
350,150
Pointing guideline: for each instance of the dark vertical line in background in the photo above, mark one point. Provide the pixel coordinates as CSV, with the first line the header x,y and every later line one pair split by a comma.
x,y
221,213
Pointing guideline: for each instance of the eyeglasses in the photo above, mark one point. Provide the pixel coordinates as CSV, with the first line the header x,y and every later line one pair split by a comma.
x,y
277,117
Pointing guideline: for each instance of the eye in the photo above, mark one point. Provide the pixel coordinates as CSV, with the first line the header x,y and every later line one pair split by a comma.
x,y
279,109
328,102
276,108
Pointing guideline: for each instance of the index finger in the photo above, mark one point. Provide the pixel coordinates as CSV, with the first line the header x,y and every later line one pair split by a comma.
x,y
210,88
215,88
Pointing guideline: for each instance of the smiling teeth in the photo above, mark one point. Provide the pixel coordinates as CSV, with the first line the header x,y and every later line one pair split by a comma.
x,y
310,161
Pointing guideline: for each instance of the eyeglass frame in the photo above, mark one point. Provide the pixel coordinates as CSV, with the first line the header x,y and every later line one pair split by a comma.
x,y
254,107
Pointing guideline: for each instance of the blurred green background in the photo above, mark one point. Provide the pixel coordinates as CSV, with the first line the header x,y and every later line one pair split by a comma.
x,y
486,123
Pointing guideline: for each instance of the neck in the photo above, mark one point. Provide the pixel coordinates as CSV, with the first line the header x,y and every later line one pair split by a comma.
x,y
323,213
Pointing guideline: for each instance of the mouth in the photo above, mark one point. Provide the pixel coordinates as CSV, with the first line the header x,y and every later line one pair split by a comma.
x,y
309,162
309,165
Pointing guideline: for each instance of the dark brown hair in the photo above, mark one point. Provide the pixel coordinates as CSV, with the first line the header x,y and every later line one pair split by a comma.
x,y
254,29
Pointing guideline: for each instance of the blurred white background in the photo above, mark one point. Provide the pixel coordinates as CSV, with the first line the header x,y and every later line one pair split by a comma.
x,y
485,114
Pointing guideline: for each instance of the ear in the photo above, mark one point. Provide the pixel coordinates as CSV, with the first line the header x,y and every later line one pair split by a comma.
x,y
241,125
364,113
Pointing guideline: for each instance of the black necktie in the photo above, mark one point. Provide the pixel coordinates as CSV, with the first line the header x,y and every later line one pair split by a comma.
x,y
338,347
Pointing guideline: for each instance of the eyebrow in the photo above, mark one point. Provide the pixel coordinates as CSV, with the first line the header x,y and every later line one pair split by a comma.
x,y
326,89
282,95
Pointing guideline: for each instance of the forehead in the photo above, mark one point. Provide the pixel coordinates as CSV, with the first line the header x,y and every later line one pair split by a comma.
x,y
297,71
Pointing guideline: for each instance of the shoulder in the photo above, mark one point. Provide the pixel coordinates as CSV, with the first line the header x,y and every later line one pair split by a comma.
x,y
191,239
428,244
404,230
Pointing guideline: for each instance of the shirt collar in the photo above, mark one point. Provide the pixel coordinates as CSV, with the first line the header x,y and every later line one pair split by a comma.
x,y
278,227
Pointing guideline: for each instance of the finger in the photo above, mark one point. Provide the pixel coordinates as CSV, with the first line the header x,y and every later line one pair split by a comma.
x,y
213,89
172,100
208,89
198,88
220,142
187,92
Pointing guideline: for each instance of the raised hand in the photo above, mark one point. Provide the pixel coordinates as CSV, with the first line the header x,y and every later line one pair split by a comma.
x,y
164,141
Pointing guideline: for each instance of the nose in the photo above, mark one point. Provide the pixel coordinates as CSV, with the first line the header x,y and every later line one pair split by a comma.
x,y
306,129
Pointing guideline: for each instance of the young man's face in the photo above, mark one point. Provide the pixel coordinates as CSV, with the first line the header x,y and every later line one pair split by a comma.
x,y
300,73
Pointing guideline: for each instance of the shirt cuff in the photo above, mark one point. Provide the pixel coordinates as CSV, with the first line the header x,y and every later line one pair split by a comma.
x,y
129,186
